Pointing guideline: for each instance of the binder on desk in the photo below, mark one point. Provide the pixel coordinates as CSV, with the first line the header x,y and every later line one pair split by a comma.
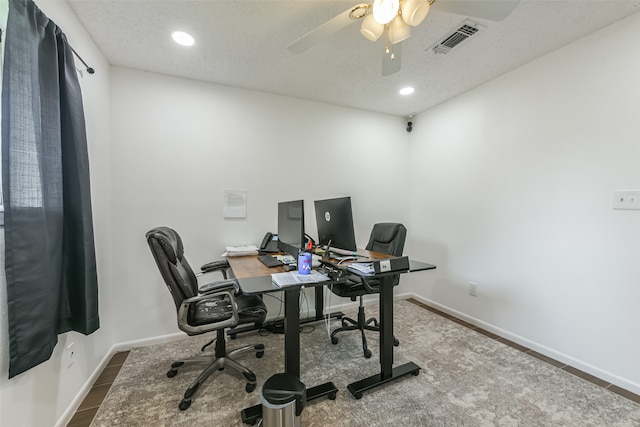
x,y
385,265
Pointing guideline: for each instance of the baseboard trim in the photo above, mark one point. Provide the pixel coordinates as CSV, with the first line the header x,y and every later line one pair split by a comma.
x,y
540,348
84,390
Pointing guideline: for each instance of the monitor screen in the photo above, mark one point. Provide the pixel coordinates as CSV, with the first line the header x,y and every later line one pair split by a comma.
x,y
335,223
291,237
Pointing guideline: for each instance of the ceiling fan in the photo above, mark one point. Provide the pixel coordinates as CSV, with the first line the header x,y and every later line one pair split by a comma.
x,y
394,19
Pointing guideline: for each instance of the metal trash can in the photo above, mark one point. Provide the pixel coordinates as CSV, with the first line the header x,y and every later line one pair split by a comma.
x,y
283,397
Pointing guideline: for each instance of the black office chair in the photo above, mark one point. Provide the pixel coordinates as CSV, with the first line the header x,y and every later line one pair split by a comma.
x,y
212,307
385,238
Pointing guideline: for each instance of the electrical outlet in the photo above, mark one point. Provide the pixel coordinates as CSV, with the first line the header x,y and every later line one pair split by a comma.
x,y
473,289
69,354
626,199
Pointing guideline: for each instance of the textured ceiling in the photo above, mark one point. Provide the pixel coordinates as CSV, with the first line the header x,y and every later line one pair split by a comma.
x,y
243,43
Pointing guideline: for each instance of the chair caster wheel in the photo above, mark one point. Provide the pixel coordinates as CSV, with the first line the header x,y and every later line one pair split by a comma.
x,y
260,354
396,342
416,373
233,336
184,405
172,373
358,396
332,396
367,353
249,387
334,340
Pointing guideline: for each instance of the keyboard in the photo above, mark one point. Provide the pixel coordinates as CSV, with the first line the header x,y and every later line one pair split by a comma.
x,y
269,261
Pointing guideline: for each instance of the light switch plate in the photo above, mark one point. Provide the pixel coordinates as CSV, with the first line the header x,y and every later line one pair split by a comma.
x,y
626,199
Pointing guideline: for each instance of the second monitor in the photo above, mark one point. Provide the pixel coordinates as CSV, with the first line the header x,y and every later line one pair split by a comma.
x,y
334,220
291,237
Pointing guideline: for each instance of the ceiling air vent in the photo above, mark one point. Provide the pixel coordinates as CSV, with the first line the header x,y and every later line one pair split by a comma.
x,y
466,30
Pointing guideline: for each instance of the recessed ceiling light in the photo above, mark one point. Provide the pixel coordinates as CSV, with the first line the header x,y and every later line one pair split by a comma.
x,y
406,90
183,38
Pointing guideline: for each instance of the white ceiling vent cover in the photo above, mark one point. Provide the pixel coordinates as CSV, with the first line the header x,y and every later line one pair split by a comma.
x,y
467,29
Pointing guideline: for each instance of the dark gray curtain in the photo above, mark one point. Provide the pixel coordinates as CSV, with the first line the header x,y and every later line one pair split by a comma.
x,y
50,267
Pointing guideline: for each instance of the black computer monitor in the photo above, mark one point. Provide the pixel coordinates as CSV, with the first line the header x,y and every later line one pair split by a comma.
x,y
291,237
335,223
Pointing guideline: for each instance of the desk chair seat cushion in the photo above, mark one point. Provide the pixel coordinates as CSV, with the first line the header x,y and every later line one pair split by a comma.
x,y
211,310
251,309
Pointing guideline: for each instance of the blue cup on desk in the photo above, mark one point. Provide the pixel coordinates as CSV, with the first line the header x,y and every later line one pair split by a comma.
x,y
304,263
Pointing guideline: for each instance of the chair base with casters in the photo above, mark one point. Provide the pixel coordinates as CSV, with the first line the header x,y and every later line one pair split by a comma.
x,y
361,324
217,362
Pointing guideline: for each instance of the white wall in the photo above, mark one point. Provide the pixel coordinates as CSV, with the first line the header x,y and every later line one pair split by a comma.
x,y
512,188
178,143
41,395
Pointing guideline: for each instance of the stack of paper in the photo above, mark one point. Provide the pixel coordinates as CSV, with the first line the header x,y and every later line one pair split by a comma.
x,y
294,278
242,250
365,268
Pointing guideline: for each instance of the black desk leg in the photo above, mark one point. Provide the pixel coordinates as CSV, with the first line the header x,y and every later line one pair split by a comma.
x,y
292,331
386,326
319,302
291,356
387,371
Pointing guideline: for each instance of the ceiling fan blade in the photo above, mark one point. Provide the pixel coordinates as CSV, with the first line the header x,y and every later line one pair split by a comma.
x,y
493,10
321,32
392,66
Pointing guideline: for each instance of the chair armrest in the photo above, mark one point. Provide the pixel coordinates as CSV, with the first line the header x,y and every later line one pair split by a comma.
x,y
183,313
222,285
372,286
221,265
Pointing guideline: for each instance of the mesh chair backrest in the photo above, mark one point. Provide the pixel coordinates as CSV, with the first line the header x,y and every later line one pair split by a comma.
x,y
387,238
166,247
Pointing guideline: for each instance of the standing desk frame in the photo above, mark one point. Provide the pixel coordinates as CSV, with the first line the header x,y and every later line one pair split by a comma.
x,y
252,280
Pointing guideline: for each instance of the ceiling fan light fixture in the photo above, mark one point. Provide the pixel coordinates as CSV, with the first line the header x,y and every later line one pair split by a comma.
x,y
385,10
371,29
415,11
398,31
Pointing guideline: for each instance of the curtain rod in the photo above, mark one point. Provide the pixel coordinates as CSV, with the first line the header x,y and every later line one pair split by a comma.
x,y
89,69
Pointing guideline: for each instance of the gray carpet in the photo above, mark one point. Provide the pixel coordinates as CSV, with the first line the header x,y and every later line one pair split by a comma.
x,y
466,379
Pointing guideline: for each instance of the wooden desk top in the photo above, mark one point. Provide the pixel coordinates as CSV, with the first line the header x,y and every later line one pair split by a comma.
x,y
248,266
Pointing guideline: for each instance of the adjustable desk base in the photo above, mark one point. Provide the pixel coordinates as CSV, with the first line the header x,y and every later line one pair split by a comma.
x,y
376,380
253,414
277,326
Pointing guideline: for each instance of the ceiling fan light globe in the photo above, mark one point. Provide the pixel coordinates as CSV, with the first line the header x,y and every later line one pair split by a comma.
x,y
370,29
398,31
414,11
385,10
